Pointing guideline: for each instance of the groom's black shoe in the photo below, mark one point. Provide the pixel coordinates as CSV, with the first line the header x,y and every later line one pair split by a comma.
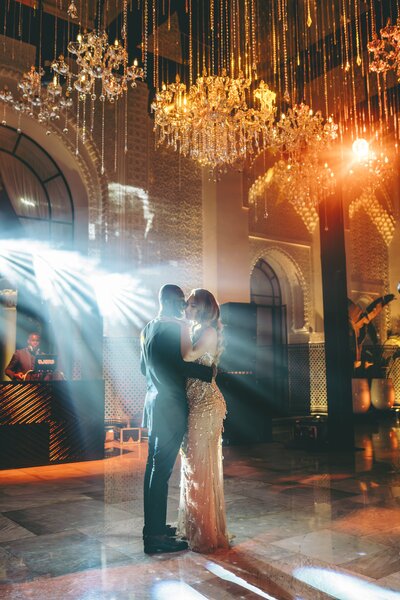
x,y
158,544
170,530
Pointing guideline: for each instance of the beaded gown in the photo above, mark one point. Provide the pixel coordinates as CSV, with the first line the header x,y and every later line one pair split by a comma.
x,y
202,507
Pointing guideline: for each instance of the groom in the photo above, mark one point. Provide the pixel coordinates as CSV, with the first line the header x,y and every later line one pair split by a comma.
x,y
165,413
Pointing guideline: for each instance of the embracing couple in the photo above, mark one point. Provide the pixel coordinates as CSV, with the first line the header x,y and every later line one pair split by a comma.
x,y
184,409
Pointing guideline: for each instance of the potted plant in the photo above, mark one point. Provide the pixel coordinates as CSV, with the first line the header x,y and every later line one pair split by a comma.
x,y
367,364
382,388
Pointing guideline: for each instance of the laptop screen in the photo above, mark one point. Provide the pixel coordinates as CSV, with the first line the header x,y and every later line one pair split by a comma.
x,y
45,362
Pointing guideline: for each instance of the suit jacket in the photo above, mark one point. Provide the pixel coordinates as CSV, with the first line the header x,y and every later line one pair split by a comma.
x,y
22,360
166,373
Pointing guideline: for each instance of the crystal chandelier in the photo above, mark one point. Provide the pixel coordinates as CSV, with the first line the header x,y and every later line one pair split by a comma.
x,y
212,122
300,131
386,50
43,102
223,114
99,60
300,176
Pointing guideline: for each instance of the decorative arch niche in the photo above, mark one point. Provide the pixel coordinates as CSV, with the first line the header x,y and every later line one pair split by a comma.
x,y
294,291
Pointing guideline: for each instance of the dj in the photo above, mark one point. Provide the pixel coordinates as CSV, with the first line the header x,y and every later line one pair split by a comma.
x,y
23,360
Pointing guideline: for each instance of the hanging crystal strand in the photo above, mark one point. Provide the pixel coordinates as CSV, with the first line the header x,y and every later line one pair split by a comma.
x,y
102,137
239,53
221,35
126,123
353,86
274,53
20,23
4,121
65,130
5,27
77,127
190,44
247,39
83,118
253,38
233,38
212,37
325,76
309,19
227,36
125,70
286,95
115,136
92,109
356,17
155,44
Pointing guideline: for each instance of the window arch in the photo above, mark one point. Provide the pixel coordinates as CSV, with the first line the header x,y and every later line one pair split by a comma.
x,y
264,286
35,188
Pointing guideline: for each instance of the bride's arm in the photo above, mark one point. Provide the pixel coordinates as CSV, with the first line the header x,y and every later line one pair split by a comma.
x,y
206,343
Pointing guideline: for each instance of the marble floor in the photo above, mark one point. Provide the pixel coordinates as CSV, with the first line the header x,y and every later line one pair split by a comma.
x,y
304,525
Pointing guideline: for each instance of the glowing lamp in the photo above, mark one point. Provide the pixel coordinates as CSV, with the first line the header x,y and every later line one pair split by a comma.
x,y
360,149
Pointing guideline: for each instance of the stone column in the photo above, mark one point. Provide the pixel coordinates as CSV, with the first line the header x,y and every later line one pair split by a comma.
x,y
225,238
8,328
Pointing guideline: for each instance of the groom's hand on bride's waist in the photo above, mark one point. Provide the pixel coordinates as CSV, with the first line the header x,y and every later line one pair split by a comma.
x,y
214,370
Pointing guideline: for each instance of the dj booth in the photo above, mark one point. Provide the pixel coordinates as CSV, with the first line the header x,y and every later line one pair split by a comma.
x,y
51,422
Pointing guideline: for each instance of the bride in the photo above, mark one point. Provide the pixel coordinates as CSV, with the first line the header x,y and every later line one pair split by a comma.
x,y
202,508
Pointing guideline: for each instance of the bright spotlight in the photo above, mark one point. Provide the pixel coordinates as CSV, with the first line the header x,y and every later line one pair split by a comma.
x,y
343,586
219,571
165,590
360,149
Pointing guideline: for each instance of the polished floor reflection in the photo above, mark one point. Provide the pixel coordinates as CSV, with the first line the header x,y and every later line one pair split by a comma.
x,y
304,525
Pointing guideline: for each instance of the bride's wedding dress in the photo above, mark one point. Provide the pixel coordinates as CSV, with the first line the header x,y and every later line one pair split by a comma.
x,y
202,507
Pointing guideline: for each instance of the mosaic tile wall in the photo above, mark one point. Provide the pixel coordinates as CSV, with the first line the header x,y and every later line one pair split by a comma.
x,y
125,386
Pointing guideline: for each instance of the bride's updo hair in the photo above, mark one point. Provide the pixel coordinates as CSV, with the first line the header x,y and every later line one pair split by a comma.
x,y
208,314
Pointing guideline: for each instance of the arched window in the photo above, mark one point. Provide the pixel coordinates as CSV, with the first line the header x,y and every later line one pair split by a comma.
x,y
264,285
35,198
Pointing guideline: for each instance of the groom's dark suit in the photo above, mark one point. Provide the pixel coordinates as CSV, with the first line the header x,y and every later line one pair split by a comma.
x,y
165,413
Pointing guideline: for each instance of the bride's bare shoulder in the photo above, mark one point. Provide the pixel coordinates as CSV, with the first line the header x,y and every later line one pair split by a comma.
x,y
209,334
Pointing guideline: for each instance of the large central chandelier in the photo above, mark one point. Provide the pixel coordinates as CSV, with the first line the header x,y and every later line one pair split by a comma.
x,y
212,123
224,113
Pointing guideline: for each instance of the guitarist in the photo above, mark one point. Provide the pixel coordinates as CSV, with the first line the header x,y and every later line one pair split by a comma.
x,y
23,360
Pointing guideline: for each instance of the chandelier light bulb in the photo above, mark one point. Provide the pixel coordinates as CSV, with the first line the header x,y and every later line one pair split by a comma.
x,y
360,149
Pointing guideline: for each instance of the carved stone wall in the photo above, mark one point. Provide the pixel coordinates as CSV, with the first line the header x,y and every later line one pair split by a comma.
x,y
369,266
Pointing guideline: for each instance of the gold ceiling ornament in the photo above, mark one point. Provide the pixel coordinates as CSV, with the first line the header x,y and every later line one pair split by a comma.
x,y
386,50
212,122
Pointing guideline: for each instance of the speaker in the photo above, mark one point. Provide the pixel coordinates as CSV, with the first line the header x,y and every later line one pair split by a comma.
x,y
24,445
240,337
248,419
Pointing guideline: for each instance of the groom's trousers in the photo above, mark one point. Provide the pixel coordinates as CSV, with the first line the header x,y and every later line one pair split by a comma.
x,y
164,444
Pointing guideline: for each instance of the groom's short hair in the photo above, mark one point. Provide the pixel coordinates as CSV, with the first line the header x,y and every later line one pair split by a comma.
x,y
168,293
